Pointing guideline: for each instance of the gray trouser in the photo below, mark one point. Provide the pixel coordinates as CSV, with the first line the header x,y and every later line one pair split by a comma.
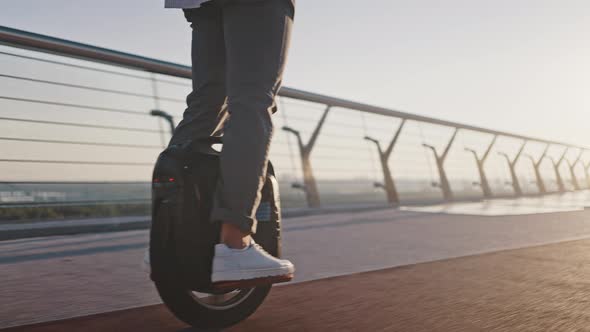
x,y
239,50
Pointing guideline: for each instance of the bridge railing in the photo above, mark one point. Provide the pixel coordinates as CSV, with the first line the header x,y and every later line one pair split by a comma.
x,y
82,125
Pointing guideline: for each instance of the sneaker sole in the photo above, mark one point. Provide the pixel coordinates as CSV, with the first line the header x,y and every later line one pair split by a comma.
x,y
249,283
248,274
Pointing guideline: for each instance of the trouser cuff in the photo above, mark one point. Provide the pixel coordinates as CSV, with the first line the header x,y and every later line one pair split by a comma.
x,y
244,223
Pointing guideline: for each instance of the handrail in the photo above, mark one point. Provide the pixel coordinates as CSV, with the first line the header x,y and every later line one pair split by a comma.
x,y
47,44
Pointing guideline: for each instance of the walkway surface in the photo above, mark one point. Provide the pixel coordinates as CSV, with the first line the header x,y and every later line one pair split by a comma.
x,y
53,278
535,289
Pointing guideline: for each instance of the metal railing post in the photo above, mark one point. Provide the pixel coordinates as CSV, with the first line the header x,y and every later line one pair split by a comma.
x,y
485,185
440,164
536,166
512,167
556,164
389,184
572,167
309,183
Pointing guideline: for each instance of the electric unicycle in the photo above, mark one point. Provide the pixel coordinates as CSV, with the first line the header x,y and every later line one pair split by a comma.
x,y
182,239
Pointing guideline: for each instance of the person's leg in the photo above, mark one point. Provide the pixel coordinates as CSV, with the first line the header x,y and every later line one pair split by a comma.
x,y
206,111
256,35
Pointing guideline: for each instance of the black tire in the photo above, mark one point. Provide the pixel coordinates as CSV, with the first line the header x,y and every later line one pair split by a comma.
x,y
191,311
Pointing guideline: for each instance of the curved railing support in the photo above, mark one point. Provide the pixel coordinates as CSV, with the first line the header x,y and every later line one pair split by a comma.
x,y
309,182
537,167
556,164
169,118
512,166
483,180
572,167
440,164
389,184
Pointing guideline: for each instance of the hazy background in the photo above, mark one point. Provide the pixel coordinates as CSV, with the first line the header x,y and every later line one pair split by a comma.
x,y
517,66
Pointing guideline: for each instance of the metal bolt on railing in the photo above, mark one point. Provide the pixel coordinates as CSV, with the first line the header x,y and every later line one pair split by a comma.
x,y
379,185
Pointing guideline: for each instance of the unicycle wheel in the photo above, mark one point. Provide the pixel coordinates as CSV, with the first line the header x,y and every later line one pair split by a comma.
x,y
220,309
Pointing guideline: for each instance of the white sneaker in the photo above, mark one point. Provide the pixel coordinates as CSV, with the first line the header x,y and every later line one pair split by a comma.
x,y
252,262
145,263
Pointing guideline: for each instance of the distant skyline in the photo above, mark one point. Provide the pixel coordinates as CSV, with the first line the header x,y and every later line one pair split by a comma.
x,y
519,66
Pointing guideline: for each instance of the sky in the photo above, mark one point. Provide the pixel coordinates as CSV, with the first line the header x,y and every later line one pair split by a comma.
x,y
514,65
